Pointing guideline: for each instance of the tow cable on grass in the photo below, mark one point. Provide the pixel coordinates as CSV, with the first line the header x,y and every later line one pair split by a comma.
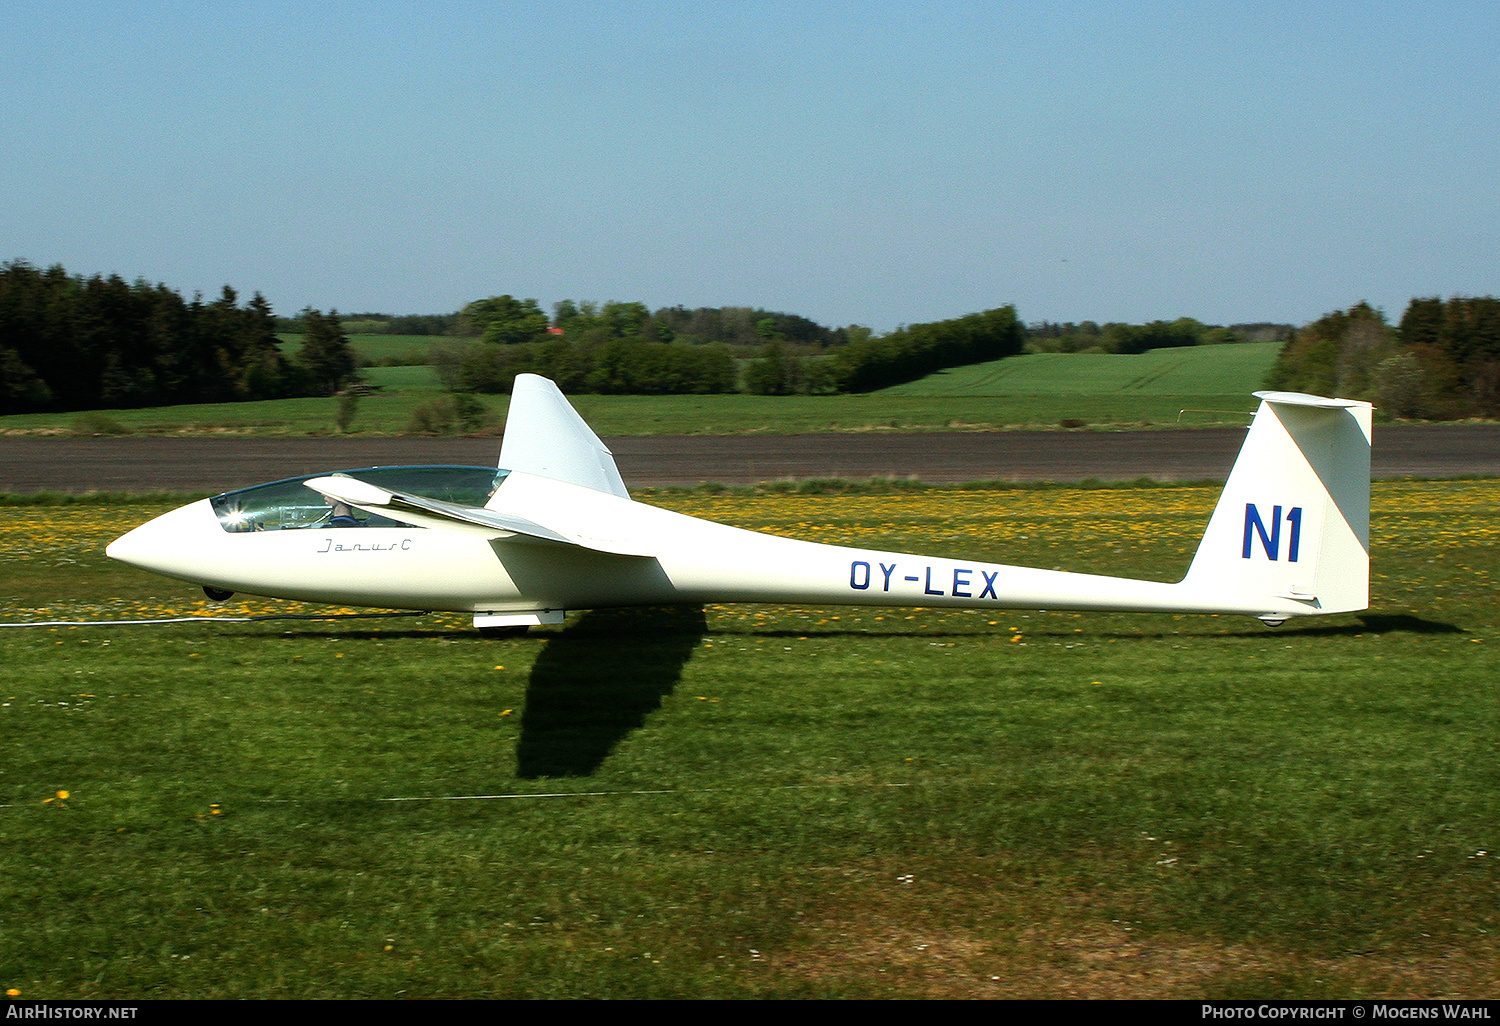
x,y
208,619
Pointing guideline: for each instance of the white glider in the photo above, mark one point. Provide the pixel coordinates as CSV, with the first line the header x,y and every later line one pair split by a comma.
x,y
554,529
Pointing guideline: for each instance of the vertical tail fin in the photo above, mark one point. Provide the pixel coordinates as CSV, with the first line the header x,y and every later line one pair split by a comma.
x,y
1293,522
545,436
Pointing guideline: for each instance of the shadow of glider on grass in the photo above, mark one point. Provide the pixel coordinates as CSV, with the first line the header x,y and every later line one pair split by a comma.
x,y
554,529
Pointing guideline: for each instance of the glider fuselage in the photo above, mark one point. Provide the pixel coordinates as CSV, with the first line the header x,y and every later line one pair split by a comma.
x,y
409,567
558,530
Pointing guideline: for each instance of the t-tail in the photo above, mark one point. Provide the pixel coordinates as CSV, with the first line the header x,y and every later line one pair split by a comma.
x,y
1291,533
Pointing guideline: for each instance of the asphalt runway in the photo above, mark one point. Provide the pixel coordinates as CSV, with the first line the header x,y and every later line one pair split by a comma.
x,y
155,463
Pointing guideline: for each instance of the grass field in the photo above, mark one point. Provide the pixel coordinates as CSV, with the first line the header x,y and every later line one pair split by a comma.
x,y
1230,370
765,801
403,379
612,415
1213,384
373,347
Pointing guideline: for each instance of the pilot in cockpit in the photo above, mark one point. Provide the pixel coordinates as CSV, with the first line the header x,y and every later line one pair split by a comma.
x,y
340,514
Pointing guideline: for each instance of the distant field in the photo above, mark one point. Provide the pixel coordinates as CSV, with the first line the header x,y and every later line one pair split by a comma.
x,y
764,801
403,379
390,412
373,347
1212,384
1196,371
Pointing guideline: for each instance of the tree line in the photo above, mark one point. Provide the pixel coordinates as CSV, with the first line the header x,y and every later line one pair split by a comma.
x,y
1115,337
379,324
70,343
1441,362
621,347
74,343
731,325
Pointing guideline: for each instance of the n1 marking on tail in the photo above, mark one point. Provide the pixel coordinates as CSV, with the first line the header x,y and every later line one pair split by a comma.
x,y
1271,541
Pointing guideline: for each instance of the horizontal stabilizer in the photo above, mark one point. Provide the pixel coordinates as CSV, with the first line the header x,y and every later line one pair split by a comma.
x,y
1304,399
450,516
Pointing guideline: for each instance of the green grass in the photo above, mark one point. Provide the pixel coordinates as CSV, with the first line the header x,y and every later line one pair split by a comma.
x,y
765,801
1212,384
743,414
389,412
386,414
1230,370
373,347
403,379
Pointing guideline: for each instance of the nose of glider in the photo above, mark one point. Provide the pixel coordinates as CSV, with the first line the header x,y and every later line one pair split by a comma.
x,y
171,544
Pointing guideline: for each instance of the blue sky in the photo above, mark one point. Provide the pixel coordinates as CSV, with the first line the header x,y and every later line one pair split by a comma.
x,y
862,163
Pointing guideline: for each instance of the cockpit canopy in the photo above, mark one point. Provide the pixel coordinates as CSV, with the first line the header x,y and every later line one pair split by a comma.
x,y
290,505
